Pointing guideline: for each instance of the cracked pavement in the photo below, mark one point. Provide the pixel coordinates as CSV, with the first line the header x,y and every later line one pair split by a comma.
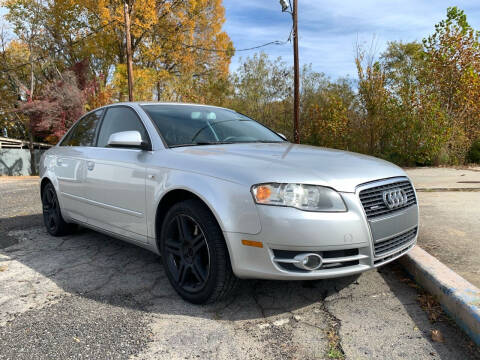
x,y
90,296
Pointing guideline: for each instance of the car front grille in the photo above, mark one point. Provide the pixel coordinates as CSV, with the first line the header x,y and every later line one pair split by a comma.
x,y
396,242
372,198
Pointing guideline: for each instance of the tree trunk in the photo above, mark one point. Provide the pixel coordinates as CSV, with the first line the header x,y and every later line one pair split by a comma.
x,y
33,169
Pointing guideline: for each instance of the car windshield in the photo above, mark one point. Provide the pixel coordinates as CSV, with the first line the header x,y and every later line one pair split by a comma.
x,y
190,125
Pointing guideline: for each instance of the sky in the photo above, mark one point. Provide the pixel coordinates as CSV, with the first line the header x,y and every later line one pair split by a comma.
x,y
329,29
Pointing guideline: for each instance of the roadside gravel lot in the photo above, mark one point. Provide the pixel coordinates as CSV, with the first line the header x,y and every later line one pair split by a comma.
x,y
91,296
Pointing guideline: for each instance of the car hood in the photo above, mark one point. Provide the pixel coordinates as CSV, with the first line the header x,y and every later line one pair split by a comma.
x,y
284,162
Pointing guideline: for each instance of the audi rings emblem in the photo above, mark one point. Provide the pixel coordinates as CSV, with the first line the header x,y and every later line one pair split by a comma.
x,y
394,198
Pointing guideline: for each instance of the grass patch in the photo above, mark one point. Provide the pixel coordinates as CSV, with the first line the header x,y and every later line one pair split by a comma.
x,y
334,348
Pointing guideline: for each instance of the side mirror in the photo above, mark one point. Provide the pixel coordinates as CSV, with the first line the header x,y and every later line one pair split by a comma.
x,y
282,136
131,139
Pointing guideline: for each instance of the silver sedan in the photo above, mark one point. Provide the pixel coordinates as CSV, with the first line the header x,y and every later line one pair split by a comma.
x,y
220,197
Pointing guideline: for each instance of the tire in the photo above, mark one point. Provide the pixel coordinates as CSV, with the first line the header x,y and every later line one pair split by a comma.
x,y
52,216
194,253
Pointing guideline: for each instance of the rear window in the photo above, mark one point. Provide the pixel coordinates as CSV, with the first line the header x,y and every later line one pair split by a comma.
x,y
83,132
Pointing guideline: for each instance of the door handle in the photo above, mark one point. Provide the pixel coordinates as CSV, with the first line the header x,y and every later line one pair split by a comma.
x,y
90,165
59,162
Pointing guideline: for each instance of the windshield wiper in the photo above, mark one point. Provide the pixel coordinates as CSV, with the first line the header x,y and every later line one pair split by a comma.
x,y
199,143
203,143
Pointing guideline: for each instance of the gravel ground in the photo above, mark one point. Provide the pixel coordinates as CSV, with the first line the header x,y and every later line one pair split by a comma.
x,y
90,296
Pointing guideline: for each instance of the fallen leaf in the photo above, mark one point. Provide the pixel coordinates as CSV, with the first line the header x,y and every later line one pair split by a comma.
x,y
3,268
437,336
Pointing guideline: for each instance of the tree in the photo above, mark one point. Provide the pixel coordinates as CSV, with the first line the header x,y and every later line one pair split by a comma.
x,y
170,37
56,108
262,89
171,40
453,56
373,97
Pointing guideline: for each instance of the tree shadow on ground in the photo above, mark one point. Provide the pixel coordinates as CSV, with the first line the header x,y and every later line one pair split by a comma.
x,y
99,267
17,222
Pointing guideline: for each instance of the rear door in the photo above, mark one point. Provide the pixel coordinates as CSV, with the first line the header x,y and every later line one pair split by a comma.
x,y
115,178
69,164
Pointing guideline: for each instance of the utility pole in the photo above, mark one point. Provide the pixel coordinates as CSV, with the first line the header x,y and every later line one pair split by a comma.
x,y
296,69
296,76
129,51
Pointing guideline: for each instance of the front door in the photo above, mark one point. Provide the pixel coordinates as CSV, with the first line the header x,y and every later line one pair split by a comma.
x,y
115,178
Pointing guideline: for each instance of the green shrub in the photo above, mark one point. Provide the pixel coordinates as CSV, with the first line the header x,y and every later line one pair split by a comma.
x,y
474,154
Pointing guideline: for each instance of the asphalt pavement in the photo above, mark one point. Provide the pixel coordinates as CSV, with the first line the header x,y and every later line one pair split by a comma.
x,y
90,296
449,202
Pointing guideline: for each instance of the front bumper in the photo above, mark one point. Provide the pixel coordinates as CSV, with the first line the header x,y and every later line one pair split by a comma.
x,y
344,240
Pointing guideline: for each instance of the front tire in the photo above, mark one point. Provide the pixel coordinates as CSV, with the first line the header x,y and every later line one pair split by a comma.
x,y
52,216
194,253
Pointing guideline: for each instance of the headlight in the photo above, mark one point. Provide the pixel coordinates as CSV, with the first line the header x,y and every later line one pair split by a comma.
x,y
300,196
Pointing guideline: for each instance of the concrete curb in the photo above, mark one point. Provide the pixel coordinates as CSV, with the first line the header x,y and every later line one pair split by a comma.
x,y
459,298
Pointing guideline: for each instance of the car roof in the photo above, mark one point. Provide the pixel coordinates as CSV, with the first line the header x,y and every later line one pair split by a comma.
x,y
140,103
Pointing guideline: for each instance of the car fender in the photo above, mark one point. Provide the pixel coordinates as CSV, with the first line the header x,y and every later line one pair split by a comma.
x,y
46,171
231,203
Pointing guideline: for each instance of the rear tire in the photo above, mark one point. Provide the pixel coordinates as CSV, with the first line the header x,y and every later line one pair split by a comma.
x,y
194,253
52,215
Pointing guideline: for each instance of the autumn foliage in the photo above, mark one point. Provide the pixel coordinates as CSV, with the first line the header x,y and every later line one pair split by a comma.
x,y
414,104
76,48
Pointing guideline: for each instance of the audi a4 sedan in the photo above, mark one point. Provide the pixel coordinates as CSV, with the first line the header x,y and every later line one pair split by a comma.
x,y
220,197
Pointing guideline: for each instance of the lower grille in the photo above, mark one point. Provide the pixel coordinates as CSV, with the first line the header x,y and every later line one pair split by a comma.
x,y
394,255
395,242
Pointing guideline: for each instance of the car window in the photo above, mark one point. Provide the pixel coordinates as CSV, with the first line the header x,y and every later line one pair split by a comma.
x,y
200,125
83,133
119,119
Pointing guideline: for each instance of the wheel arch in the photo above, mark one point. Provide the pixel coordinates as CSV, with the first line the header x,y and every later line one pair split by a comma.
x,y
172,197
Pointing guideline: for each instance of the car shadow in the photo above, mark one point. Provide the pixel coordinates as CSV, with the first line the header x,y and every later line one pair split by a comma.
x,y
105,269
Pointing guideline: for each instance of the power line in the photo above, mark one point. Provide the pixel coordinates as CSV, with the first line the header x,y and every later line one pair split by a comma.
x,y
276,42
97,30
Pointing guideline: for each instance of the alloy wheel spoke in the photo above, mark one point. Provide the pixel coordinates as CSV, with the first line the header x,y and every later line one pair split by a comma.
x,y
182,228
198,272
182,272
198,243
173,247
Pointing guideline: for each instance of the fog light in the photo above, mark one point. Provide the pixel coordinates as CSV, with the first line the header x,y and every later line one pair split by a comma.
x,y
308,261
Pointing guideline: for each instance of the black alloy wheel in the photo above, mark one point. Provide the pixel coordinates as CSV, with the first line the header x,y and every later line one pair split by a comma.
x,y
187,254
52,216
194,253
